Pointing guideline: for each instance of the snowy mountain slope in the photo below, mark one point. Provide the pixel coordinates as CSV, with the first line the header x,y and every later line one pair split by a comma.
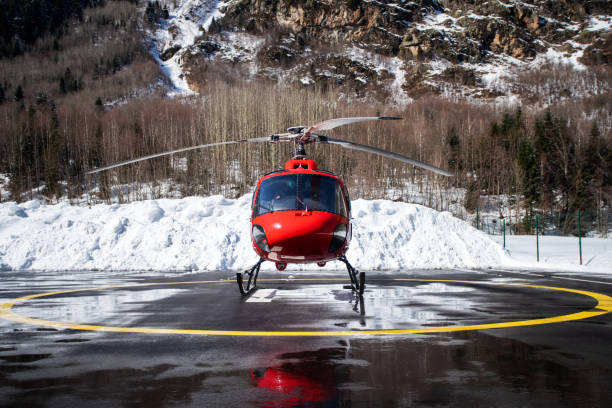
x,y
188,20
391,50
212,233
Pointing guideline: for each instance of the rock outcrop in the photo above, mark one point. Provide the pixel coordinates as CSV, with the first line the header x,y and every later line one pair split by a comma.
x,y
370,45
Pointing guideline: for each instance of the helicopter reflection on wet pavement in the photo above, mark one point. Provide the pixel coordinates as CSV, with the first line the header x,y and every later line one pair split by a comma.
x,y
563,364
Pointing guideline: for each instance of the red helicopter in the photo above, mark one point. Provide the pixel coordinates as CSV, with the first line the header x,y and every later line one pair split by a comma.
x,y
300,214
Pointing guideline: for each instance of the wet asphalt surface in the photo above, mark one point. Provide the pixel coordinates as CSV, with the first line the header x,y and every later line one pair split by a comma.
x,y
565,364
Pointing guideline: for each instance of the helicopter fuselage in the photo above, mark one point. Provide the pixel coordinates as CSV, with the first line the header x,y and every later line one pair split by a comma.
x,y
300,215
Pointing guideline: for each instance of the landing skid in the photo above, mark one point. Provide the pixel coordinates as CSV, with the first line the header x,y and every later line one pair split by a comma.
x,y
251,285
357,279
359,306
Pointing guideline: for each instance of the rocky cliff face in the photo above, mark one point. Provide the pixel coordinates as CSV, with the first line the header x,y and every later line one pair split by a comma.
x,y
400,49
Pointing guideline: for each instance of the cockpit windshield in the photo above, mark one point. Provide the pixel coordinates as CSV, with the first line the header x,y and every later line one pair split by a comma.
x,y
300,192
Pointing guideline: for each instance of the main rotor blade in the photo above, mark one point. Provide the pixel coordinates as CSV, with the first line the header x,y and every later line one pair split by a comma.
x,y
391,155
185,149
333,123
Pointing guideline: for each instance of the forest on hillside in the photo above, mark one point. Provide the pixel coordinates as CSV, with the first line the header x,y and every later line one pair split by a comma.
x,y
90,94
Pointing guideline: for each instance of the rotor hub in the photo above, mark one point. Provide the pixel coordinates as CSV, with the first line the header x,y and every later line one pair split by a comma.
x,y
299,153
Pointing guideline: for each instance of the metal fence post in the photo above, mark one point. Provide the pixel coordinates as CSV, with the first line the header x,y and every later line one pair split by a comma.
x,y
579,238
537,239
477,219
504,233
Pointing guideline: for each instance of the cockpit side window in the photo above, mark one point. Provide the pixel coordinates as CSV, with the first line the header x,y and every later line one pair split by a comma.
x,y
340,203
348,199
276,194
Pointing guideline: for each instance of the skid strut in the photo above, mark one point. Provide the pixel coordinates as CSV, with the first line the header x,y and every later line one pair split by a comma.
x,y
252,281
357,278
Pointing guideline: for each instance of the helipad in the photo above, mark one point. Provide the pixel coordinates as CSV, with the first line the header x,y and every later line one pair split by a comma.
x,y
602,306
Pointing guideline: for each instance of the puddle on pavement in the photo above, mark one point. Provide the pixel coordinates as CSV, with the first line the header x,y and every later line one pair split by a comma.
x,y
440,370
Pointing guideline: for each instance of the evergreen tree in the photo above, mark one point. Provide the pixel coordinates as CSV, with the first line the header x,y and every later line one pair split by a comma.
x,y
69,83
19,94
150,13
214,28
594,170
51,159
530,175
550,148
454,149
23,22
154,12
62,85
607,157
23,167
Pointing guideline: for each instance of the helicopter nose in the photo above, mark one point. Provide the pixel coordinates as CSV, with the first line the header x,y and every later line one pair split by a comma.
x,y
300,234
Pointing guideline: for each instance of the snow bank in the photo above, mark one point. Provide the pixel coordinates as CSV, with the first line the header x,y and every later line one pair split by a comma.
x,y
212,233
4,193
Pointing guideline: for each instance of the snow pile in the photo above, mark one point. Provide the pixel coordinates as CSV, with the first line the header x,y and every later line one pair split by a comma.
x,y
393,235
4,181
212,233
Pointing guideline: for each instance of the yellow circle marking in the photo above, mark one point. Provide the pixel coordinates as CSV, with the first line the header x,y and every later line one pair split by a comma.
x,y
603,306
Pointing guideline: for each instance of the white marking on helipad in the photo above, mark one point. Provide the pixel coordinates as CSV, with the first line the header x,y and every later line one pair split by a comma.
x,y
262,296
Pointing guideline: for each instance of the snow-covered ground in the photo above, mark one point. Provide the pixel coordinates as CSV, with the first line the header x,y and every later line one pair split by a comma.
x,y
212,233
559,253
